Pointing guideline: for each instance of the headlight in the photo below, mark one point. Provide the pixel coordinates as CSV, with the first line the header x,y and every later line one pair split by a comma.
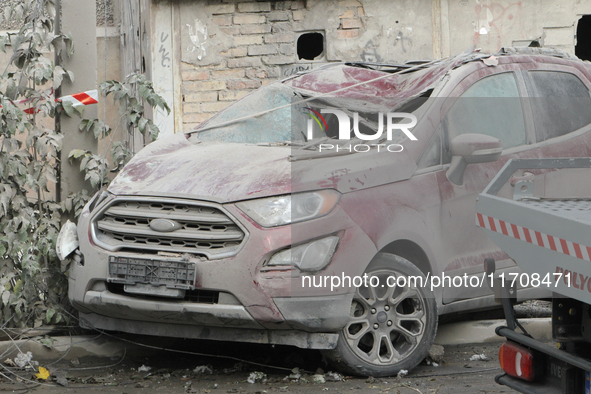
x,y
67,240
276,211
312,256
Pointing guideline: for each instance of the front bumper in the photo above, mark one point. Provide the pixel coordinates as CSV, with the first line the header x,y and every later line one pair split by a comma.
x,y
301,339
252,296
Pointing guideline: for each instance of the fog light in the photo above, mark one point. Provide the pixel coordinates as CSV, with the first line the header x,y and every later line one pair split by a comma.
x,y
312,256
517,361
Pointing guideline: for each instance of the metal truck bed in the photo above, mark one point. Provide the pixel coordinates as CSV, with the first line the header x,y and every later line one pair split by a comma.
x,y
549,238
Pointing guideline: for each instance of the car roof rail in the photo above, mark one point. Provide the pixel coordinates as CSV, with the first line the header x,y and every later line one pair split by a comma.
x,y
537,51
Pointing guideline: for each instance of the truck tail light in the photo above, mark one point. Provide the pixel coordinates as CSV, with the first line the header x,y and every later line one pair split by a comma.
x,y
517,361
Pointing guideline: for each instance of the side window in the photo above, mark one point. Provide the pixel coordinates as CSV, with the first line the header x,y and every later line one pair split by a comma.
x,y
432,154
560,103
490,106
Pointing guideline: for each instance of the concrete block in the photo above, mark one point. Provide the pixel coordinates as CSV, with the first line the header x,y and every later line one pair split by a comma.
x,y
220,9
213,107
276,16
231,30
298,15
347,14
274,38
195,118
254,73
254,7
244,62
205,85
254,29
278,59
350,33
232,73
222,20
195,75
238,84
232,95
248,40
200,97
298,5
256,50
191,107
351,23
246,19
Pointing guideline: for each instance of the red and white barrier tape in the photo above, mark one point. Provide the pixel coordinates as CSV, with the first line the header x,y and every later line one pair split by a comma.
x,y
534,237
84,98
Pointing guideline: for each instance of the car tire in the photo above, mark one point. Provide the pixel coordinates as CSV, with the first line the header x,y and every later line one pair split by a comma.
x,y
390,328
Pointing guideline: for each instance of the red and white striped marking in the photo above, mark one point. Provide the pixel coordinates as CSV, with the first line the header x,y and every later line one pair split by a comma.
x,y
534,237
84,98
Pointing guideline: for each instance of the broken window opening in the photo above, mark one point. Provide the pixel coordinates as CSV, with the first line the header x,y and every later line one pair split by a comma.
x,y
583,47
310,46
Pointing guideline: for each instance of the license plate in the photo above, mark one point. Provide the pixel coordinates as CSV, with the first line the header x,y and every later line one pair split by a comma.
x,y
156,291
157,273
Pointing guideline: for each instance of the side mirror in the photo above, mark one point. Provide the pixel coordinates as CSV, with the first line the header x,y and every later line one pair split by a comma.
x,y
469,149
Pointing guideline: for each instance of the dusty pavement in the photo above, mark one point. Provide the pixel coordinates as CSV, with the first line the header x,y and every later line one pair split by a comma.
x,y
171,372
192,366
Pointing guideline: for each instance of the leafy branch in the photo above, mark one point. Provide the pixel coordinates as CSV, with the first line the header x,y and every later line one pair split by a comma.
x,y
33,282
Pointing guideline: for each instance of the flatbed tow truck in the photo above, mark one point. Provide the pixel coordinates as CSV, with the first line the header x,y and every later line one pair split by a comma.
x,y
549,238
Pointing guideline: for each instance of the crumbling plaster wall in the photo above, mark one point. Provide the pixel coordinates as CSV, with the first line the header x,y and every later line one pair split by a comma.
x,y
231,47
491,25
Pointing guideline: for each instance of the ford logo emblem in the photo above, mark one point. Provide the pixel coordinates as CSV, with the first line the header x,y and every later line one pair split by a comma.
x,y
164,225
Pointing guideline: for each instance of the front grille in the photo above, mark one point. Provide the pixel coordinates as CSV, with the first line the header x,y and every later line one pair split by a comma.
x,y
204,229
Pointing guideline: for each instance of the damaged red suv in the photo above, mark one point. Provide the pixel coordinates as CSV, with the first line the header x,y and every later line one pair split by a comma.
x,y
306,214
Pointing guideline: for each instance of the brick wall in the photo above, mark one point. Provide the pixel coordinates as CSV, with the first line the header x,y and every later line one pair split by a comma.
x,y
260,37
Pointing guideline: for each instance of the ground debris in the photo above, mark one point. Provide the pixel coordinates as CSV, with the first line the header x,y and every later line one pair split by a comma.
x,y
294,376
203,369
333,377
479,357
9,362
61,379
237,367
256,377
436,354
318,378
96,379
23,360
144,368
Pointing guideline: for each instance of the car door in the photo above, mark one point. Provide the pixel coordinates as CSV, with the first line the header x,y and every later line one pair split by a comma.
x,y
490,101
535,113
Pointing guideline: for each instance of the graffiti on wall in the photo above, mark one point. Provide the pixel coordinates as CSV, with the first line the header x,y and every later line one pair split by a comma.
x,y
370,54
165,60
198,36
494,21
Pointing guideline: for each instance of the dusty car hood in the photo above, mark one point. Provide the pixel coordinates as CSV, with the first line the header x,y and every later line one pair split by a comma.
x,y
226,172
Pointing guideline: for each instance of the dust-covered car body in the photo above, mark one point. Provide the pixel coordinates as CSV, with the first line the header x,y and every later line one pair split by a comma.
x,y
191,238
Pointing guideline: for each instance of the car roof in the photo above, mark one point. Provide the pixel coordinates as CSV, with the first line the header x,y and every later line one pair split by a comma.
x,y
390,85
